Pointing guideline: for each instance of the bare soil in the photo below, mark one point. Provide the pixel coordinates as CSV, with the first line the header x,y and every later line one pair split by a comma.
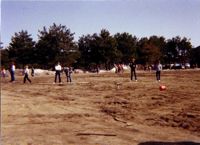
x,y
102,109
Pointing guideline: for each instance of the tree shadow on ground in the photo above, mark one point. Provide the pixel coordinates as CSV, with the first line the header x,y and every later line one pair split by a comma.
x,y
169,143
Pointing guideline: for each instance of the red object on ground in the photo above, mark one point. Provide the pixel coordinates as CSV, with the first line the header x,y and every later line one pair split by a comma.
x,y
162,87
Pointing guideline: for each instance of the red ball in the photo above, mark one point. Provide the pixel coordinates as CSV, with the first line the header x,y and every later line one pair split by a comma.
x,y
162,87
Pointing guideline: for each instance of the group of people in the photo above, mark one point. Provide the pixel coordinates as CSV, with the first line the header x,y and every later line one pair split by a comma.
x,y
68,71
58,69
119,68
25,73
158,68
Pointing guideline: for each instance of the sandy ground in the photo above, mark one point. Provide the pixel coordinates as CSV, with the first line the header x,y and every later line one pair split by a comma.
x,y
102,109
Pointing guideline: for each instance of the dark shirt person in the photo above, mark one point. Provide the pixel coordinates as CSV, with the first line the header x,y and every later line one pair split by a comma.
x,y
133,69
32,72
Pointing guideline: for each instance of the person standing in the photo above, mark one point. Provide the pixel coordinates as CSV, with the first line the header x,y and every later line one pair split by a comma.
x,y
116,68
58,69
3,73
12,72
133,69
97,68
158,70
32,71
26,73
68,72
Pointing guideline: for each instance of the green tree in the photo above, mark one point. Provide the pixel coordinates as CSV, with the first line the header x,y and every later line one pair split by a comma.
x,y
149,50
195,56
5,58
159,44
108,48
56,44
21,48
104,49
99,50
127,45
185,48
177,50
84,44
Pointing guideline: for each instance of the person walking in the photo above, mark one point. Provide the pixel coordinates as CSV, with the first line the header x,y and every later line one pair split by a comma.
x,y
158,70
133,69
58,69
26,73
12,72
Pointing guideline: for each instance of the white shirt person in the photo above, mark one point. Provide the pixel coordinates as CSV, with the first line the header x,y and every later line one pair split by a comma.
x,y
58,69
158,70
26,73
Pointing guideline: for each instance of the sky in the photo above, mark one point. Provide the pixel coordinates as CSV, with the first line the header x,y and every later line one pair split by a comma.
x,y
141,18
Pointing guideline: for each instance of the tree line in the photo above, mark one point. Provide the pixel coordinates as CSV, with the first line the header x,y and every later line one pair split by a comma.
x,y
57,43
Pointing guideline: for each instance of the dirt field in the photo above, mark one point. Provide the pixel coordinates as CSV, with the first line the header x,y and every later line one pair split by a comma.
x,y
102,109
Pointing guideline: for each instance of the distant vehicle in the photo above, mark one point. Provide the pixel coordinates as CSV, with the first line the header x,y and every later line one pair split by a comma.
x,y
187,65
180,66
176,66
166,66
